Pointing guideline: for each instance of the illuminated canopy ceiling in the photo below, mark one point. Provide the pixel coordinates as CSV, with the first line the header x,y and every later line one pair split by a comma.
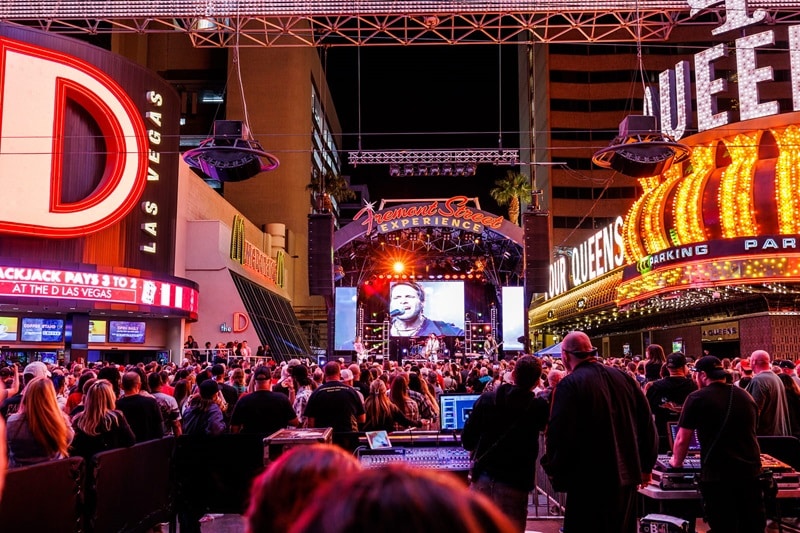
x,y
285,23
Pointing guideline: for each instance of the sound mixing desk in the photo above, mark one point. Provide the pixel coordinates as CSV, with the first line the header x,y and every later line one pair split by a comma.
x,y
450,458
668,478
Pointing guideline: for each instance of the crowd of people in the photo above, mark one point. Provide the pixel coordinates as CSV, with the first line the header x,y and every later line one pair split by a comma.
x,y
605,422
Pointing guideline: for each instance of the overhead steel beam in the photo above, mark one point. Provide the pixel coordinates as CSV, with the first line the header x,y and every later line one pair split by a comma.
x,y
322,23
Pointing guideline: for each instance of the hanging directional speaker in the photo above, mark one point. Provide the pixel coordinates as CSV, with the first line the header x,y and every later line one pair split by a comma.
x,y
230,155
640,150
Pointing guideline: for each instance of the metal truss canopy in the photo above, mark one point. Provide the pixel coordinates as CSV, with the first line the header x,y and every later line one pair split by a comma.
x,y
434,157
432,253
284,23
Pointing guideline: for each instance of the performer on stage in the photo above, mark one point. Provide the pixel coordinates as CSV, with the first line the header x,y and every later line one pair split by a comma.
x,y
407,300
459,351
432,348
490,347
361,350
458,347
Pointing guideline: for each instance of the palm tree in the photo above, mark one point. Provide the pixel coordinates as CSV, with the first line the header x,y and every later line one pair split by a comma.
x,y
509,190
330,184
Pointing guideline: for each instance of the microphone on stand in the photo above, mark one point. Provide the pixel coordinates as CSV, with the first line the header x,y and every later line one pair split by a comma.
x,y
395,312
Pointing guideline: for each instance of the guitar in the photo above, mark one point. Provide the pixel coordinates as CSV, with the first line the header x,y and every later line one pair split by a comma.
x,y
363,354
491,351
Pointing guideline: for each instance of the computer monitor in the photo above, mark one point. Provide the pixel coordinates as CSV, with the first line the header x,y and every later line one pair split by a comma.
x,y
454,409
694,443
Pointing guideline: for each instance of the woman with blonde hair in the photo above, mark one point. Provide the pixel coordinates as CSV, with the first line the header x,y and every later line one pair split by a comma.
x,y
99,427
40,430
237,380
382,414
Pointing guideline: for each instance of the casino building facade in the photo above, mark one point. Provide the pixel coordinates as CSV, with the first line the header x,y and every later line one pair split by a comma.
x,y
107,238
87,232
705,260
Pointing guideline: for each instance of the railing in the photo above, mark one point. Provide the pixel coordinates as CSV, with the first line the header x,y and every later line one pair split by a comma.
x,y
186,476
547,502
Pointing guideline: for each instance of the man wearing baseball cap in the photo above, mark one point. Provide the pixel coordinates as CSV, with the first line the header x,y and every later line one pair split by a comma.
x,y
788,367
666,395
724,417
262,411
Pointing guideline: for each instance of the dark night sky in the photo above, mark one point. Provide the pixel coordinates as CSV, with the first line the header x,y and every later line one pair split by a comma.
x,y
425,97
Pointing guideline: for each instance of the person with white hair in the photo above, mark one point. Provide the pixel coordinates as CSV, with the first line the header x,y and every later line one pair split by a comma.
x,y
553,377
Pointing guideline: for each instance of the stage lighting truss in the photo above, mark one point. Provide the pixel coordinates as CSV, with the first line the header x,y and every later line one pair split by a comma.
x,y
434,162
434,253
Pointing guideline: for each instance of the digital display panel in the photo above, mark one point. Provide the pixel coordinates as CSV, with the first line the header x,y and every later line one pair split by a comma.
x,y
126,332
8,328
418,309
98,287
345,330
97,330
48,358
513,317
42,330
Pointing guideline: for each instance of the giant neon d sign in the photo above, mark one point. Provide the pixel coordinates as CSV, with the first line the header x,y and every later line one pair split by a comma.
x,y
36,85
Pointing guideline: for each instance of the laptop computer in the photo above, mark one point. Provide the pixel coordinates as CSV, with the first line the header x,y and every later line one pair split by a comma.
x,y
692,460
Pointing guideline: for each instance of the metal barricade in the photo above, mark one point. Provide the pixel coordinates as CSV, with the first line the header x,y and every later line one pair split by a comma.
x,y
545,501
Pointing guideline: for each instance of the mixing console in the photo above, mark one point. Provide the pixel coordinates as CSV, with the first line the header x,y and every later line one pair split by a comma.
x,y
440,458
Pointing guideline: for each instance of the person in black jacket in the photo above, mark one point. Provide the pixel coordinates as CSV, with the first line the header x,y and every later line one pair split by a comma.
x,y
502,432
229,392
666,396
601,441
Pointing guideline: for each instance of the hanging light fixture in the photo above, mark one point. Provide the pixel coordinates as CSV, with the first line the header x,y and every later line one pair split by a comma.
x,y
230,155
640,150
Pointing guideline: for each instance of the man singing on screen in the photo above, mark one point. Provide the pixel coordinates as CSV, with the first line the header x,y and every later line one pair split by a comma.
x,y
406,302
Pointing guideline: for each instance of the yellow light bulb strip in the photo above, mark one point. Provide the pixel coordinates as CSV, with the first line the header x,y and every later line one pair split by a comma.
x,y
737,214
787,179
688,200
731,271
632,236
